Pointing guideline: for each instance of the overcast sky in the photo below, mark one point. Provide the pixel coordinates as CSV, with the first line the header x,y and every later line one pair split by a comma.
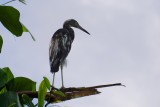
x,y
124,46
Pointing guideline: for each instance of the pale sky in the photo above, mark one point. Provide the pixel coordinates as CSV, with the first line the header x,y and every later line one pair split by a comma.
x,y
124,46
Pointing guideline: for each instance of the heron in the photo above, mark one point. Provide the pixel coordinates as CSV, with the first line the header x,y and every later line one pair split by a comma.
x,y
60,46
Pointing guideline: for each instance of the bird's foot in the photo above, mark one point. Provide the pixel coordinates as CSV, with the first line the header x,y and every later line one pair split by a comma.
x,y
62,87
53,88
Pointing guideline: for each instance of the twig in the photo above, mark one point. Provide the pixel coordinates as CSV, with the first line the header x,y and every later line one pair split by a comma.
x,y
108,85
8,2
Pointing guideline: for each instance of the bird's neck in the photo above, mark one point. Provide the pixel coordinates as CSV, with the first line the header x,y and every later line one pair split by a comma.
x,y
70,30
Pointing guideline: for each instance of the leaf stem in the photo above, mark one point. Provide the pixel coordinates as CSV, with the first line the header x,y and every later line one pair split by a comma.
x,y
8,2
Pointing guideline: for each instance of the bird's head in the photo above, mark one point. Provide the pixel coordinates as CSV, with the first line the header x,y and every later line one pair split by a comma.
x,y
74,23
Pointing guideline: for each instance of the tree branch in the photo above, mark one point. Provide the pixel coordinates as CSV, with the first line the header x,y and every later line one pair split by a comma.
x,y
70,93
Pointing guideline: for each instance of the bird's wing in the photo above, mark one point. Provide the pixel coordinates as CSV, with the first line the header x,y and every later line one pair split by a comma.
x,y
54,48
57,50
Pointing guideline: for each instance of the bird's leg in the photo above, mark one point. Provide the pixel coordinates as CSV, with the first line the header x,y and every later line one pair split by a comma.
x,y
52,88
62,75
53,80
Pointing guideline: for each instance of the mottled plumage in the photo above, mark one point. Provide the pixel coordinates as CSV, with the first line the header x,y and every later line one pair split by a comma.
x,y
60,46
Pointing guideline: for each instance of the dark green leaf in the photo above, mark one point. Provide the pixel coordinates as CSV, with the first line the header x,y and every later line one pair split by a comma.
x,y
9,17
9,99
21,84
9,73
27,100
47,83
41,94
58,93
1,43
3,78
26,30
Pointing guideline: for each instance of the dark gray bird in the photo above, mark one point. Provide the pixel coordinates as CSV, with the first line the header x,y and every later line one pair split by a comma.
x,y
60,46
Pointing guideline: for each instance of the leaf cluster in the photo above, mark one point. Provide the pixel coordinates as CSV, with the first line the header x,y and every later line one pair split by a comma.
x,y
10,86
10,19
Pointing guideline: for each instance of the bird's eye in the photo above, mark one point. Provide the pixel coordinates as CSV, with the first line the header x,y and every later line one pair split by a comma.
x,y
76,24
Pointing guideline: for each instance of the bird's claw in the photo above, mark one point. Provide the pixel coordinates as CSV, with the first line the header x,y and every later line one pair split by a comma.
x,y
62,87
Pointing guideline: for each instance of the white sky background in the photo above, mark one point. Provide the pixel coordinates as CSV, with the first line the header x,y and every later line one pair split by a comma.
x,y
124,46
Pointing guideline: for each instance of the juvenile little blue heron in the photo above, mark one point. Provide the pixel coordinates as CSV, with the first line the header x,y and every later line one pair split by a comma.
x,y
60,46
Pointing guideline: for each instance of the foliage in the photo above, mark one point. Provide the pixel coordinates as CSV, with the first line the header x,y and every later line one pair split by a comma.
x,y
9,99
27,100
42,93
21,84
26,30
10,19
47,83
10,86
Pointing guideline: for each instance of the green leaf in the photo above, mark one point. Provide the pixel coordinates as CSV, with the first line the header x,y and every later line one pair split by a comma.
x,y
58,93
42,93
9,17
47,83
26,30
9,73
21,84
1,43
3,78
3,90
9,99
27,100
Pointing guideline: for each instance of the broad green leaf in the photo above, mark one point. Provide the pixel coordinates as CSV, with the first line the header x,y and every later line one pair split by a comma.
x,y
47,83
21,84
3,78
9,17
58,93
42,93
27,100
9,99
9,73
26,30
1,43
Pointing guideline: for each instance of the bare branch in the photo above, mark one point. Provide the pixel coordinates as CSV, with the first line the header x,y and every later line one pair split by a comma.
x,y
70,93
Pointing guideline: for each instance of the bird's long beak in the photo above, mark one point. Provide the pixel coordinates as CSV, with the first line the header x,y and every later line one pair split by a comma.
x,y
83,30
